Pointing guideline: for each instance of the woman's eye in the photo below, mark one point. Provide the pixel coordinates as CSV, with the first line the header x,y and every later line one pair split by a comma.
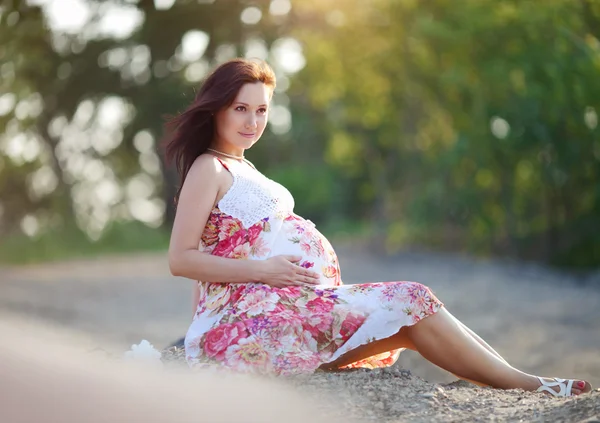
x,y
262,110
240,108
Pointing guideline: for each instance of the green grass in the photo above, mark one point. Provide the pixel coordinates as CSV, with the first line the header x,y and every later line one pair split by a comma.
x,y
71,242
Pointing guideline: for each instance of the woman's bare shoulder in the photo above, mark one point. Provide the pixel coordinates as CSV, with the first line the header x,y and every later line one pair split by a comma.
x,y
207,169
206,163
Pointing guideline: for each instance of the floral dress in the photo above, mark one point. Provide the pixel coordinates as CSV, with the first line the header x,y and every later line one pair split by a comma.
x,y
253,327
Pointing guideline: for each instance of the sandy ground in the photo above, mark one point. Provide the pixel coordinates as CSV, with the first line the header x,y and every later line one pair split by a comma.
x,y
542,321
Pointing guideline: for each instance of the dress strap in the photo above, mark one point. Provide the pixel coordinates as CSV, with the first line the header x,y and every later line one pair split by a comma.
x,y
223,163
249,163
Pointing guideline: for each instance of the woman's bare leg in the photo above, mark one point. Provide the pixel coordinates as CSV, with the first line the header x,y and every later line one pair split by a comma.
x,y
400,340
478,339
442,339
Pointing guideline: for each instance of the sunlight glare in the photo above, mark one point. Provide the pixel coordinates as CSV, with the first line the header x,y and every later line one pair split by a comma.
x,y
163,4
193,45
68,16
500,128
42,182
280,7
30,225
7,103
119,21
288,55
143,141
251,15
280,119
256,48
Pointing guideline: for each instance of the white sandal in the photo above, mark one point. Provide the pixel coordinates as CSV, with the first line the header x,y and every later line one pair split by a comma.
x,y
564,385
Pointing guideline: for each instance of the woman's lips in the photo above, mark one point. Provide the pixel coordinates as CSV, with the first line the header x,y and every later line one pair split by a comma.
x,y
247,135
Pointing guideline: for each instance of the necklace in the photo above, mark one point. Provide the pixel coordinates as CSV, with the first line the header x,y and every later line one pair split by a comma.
x,y
231,156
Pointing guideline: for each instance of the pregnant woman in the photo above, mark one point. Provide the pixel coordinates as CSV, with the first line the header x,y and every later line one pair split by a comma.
x,y
270,297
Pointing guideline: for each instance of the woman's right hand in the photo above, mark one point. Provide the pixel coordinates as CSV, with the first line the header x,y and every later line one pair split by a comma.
x,y
283,270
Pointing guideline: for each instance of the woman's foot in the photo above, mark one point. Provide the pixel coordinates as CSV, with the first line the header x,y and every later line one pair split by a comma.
x,y
560,387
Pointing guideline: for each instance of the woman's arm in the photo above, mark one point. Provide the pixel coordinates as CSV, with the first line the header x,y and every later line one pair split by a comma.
x,y
196,265
202,188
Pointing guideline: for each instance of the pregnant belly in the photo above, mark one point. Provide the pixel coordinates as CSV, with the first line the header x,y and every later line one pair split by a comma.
x,y
299,237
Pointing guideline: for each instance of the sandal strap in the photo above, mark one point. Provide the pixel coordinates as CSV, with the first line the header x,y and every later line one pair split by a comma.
x,y
564,385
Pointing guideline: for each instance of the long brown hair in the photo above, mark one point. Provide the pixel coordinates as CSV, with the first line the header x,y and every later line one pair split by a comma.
x,y
190,133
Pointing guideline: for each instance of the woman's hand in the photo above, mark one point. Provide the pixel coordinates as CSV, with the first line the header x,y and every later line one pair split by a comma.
x,y
282,271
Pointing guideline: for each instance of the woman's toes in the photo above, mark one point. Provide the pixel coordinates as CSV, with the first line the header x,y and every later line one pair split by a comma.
x,y
584,386
580,387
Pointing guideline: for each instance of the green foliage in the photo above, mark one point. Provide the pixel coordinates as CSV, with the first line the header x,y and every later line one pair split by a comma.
x,y
69,242
470,125
478,120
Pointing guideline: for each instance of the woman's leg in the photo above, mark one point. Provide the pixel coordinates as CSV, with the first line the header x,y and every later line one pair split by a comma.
x,y
444,342
441,339
400,340
478,339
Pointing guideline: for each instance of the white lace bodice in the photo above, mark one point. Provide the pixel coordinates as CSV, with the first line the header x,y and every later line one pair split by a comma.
x,y
253,196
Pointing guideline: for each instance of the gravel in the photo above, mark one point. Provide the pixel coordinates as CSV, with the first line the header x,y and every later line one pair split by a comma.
x,y
395,395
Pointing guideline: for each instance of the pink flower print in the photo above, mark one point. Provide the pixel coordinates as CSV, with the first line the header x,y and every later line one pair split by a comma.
x,y
318,245
415,289
290,292
226,247
326,293
241,251
257,302
350,325
306,248
303,361
337,281
329,271
299,228
254,232
285,317
259,248
390,291
307,264
211,232
247,354
237,292
229,226
320,305
259,323
219,339
316,324
218,296
361,288
286,343
292,218
309,341
421,302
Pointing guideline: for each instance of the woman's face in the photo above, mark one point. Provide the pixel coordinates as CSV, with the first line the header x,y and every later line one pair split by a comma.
x,y
241,124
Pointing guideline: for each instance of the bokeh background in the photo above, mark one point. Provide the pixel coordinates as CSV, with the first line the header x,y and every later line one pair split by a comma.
x,y
435,125
451,143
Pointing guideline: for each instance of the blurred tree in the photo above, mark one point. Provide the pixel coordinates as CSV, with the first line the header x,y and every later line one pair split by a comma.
x,y
472,124
445,125
135,79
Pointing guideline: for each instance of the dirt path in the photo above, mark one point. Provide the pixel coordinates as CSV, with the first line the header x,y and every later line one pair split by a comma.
x,y
540,320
